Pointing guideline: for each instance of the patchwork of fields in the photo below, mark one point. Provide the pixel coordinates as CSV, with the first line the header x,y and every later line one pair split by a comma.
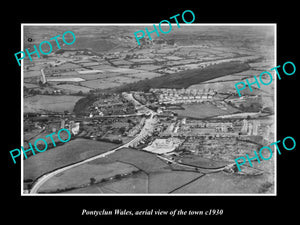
x,y
71,152
148,173
104,62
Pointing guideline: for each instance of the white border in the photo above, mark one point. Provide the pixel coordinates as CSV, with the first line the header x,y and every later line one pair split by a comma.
x,y
151,24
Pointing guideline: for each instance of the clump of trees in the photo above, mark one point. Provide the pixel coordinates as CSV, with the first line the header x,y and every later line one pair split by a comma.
x,y
253,107
83,103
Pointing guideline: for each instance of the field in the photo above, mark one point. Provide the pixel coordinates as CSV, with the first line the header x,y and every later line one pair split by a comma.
x,y
221,182
89,71
165,182
136,183
247,73
100,83
156,177
201,111
65,79
29,85
71,152
145,75
94,76
145,161
73,88
123,79
32,73
148,67
262,65
46,103
81,175
183,182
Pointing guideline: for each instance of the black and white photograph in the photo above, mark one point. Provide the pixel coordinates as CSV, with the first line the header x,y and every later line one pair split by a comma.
x,y
144,112
162,117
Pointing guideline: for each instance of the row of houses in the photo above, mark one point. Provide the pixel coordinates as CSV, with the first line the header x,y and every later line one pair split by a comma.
x,y
182,91
184,99
177,96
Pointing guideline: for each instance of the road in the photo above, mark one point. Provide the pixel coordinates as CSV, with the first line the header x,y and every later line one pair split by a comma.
x,y
47,176
199,169
40,181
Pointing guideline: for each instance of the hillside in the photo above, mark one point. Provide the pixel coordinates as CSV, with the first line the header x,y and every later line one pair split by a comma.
x,y
179,80
185,79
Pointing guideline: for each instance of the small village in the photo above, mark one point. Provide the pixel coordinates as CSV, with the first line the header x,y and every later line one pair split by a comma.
x,y
130,109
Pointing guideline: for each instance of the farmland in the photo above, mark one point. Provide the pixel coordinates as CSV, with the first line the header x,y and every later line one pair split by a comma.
x,y
48,103
81,175
217,183
73,88
136,183
154,175
145,161
186,78
71,152
165,182
202,111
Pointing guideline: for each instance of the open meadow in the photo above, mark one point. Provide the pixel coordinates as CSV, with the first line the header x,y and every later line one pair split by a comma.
x,y
81,175
50,103
220,183
136,183
71,152
202,110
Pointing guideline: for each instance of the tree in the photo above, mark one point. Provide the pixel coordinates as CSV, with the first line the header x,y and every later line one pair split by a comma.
x,y
79,93
122,130
92,180
118,176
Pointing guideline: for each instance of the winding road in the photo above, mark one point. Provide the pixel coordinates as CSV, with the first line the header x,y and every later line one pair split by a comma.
x,y
147,126
40,181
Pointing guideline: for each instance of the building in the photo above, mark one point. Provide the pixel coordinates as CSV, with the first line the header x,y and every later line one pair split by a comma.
x,y
43,77
161,146
62,123
75,128
245,126
255,127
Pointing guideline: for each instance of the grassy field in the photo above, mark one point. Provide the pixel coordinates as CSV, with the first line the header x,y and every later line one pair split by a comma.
x,y
82,174
226,183
46,103
165,182
161,182
32,73
202,111
71,152
100,83
137,183
157,178
143,160
155,182
73,88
